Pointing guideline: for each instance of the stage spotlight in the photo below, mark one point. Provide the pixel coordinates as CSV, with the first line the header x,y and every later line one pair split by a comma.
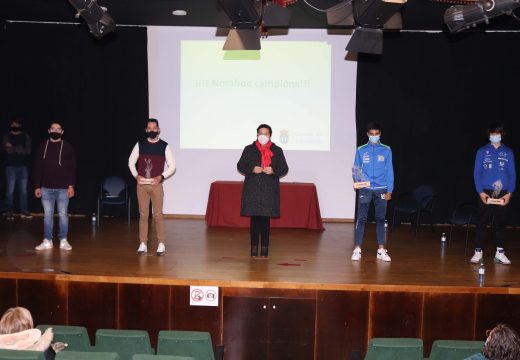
x,y
247,17
96,17
462,17
369,18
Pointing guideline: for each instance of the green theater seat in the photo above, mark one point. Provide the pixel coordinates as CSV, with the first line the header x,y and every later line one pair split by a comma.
x,y
160,357
86,355
454,349
194,344
21,355
75,336
395,349
126,343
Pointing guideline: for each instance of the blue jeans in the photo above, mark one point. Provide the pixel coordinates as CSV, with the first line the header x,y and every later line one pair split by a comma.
x,y
365,197
16,175
49,198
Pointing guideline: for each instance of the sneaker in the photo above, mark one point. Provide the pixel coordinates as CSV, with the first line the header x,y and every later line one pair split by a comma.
x,y
64,245
501,258
46,244
9,215
382,254
356,254
26,215
161,249
143,249
476,257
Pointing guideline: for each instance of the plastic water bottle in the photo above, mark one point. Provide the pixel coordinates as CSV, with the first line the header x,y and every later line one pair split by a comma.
x,y
386,224
94,219
481,273
443,239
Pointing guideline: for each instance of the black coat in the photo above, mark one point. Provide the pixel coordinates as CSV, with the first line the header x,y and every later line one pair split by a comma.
x,y
261,194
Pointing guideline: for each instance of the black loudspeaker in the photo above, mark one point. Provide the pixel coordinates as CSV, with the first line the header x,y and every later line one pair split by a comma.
x,y
375,13
241,13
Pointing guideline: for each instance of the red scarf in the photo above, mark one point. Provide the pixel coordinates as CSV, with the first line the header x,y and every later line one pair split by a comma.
x,y
266,152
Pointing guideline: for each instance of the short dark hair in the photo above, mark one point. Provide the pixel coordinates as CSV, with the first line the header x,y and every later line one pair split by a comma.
x,y
502,343
55,122
496,128
373,126
264,126
152,120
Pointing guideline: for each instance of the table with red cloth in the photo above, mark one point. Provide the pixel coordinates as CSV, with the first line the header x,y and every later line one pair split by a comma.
x,y
299,206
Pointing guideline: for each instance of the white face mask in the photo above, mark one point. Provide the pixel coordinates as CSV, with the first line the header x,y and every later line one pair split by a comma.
x,y
263,139
495,139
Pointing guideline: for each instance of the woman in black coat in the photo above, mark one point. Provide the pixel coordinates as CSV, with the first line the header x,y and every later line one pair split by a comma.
x,y
262,163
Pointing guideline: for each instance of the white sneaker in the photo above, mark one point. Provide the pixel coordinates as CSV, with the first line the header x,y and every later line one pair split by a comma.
x,y
64,245
161,249
382,254
501,258
476,257
143,249
46,244
356,254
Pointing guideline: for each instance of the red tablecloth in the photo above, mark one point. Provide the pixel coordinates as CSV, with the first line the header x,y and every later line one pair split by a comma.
x,y
299,206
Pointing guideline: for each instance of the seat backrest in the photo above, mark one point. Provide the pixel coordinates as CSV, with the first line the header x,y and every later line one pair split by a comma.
x,y
423,195
21,355
125,342
113,186
86,355
395,348
194,344
75,336
160,357
454,349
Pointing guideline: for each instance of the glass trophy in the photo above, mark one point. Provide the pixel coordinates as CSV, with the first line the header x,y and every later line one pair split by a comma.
x,y
360,179
147,179
494,199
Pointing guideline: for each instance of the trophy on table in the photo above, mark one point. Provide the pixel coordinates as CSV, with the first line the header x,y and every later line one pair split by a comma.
x,y
494,199
147,180
360,179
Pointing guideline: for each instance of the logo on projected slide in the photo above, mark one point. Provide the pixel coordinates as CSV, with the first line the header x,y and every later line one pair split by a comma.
x,y
284,136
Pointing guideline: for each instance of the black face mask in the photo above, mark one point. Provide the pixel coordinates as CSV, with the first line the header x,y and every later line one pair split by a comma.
x,y
16,128
152,134
55,136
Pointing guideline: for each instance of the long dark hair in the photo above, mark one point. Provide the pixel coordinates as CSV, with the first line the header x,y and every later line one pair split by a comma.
x,y
502,343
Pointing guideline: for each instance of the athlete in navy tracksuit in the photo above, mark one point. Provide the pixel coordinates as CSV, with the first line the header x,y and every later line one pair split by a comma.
x,y
495,177
375,160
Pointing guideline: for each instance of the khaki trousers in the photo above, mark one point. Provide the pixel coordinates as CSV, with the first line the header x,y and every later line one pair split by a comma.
x,y
155,194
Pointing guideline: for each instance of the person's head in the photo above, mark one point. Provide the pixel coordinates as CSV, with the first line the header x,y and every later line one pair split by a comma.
x,y
373,132
152,128
502,343
496,132
15,124
55,131
263,133
15,320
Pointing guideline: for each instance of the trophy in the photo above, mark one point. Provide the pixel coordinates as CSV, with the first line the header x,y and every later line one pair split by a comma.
x,y
147,180
497,189
360,179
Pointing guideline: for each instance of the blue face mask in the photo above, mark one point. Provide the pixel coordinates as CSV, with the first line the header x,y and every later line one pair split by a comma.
x,y
495,139
374,139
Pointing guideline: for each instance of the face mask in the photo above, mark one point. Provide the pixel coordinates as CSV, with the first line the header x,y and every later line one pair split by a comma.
x,y
495,139
55,136
263,139
152,134
16,128
374,139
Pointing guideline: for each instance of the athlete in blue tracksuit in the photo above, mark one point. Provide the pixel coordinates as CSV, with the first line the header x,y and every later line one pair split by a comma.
x,y
495,177
375,160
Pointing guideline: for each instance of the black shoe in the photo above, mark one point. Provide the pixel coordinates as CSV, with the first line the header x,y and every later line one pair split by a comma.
x,y
264,251
8,215
254,250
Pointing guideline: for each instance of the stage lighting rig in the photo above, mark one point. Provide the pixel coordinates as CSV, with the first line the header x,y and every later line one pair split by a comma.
x,y
461,17
248,18
96,17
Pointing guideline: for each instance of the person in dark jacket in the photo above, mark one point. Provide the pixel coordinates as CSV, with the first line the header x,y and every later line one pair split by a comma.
x,y
502,343
262,163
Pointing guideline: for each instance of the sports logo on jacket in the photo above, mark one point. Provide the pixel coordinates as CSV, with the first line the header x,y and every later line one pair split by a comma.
x,y
366,158
380,158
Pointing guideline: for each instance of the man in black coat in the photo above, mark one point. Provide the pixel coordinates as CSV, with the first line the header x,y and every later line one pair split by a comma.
x,y
262,164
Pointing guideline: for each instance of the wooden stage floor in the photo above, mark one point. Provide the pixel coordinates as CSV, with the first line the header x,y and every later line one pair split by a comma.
x,y
299,259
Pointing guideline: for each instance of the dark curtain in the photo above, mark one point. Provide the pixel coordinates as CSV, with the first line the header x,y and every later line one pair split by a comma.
x,y
97,89
435,95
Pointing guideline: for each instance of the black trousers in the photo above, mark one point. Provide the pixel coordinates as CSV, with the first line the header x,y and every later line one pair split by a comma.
x,y
260,226
487,213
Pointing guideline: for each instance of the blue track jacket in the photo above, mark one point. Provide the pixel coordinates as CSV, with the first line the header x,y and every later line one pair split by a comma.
x,y
494,164
376,162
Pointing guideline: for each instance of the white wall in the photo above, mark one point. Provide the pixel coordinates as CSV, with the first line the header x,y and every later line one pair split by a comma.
x,y
187,191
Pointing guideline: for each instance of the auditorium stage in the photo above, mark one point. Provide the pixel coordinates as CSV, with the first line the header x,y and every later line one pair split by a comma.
x,y
307,301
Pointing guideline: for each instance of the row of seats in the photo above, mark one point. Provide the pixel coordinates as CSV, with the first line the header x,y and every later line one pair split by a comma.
x,y
126,344
412,349
82,355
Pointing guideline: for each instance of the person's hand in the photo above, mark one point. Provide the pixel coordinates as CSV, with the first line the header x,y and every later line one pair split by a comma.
x,y
157,180
268,170
388,196
58,346
257,169
70,192
139,178
38,192
8,144
484,197
506,198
